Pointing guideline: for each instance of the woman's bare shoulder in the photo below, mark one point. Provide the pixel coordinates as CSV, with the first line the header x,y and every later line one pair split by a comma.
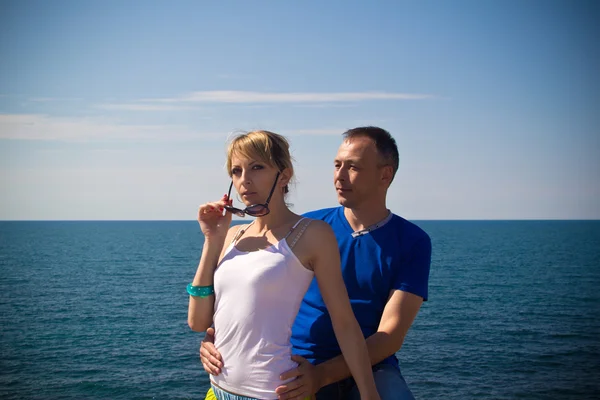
x,y
319,233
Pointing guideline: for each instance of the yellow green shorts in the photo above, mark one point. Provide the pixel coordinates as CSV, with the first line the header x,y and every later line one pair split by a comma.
x,y
210,395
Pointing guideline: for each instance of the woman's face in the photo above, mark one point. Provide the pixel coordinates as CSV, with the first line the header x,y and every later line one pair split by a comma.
x,y
253,179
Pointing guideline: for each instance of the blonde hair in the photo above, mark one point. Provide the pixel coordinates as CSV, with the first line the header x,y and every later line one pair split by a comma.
x,y
265,146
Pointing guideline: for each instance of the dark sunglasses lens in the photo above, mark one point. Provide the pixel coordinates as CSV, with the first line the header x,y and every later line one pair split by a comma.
x,y
235,211
258,210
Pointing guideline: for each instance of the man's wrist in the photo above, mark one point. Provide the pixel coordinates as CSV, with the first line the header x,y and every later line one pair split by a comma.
x,y
321,374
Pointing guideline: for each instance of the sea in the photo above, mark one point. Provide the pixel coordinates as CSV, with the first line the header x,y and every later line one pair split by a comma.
x,y
98,310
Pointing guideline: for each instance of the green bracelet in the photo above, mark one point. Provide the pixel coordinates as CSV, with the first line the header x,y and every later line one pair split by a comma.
x,y
200,291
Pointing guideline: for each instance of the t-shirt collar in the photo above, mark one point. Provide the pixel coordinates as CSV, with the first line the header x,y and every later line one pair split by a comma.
x,y
368,229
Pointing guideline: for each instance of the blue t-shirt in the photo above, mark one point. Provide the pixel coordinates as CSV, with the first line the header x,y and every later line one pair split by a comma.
x,y
395,255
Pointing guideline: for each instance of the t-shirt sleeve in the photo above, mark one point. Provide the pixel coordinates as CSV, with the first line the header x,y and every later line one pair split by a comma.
x,y
414,271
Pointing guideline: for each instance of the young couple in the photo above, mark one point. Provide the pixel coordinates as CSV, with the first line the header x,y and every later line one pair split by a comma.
x,y
293,298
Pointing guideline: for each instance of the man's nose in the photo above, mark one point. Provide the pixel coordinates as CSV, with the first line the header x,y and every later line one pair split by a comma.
x,y
340,174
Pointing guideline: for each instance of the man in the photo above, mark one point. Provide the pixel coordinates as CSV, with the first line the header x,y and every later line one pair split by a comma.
x,y
385,264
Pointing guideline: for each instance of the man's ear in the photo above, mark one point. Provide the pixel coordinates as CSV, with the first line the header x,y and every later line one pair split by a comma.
x,y
387,174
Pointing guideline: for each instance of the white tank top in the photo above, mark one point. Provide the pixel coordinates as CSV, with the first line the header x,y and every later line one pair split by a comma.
x,y
257,297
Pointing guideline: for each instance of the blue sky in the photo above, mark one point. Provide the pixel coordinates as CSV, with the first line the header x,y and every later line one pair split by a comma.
x,y
121,109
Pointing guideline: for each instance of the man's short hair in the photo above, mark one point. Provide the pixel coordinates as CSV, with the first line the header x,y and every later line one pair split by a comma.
x,y
384,142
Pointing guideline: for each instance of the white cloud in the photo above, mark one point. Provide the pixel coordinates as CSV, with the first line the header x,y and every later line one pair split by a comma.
x,y
232,96
43,127
260,99
145,107
326,105
53,99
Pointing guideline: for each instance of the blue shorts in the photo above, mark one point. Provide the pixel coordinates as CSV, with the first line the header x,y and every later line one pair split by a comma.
x,y
221,394
388,379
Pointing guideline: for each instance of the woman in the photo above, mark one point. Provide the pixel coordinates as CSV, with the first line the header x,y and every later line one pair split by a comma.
x,y
251,279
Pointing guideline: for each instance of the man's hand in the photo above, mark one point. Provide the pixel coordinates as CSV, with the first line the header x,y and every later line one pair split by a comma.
x,y
210,357
306,383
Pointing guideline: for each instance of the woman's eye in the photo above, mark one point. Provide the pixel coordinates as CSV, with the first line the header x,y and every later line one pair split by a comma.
x,y
235,171
257,167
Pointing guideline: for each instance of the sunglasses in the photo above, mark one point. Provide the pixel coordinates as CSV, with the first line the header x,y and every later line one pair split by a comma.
x,y
255,210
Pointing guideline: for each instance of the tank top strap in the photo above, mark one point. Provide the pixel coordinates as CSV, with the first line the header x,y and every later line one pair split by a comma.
x,y
240,232
299,234
294,227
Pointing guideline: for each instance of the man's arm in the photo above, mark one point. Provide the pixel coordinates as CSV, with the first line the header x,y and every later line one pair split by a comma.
x,y
398,315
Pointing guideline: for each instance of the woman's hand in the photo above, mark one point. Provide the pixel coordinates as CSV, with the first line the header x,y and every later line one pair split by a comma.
x,y
214,220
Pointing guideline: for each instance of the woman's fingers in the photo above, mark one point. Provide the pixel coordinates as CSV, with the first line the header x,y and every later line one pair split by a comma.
x,y
226,200
214,208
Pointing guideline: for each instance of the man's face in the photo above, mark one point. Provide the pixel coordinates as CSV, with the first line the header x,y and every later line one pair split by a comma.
x,y
357,174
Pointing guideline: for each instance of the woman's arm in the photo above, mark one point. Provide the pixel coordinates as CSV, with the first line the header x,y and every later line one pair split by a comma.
x,y
216,230
326,265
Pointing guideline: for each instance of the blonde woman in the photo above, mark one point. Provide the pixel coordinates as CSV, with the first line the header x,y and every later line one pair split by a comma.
x,y
251,278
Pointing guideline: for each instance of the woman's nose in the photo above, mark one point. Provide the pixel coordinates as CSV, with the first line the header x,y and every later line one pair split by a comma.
x,y
245,176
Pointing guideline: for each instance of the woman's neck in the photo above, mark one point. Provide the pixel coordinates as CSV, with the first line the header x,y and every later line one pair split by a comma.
x,y
278,216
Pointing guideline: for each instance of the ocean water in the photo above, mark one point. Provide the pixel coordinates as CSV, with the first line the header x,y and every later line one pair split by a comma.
x,y
97,310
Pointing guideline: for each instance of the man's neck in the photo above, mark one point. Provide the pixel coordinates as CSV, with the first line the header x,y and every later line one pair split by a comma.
x,y
365,216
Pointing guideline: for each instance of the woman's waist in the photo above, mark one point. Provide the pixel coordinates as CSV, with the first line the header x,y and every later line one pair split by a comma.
x,y
254,348
252,329
255,377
